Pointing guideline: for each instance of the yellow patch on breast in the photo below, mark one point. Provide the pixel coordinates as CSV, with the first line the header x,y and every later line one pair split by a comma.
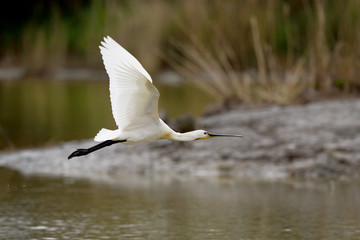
x,y
167,135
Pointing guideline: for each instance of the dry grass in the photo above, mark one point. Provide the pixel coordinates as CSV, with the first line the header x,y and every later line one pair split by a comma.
x,y
273,51
217,72
313,62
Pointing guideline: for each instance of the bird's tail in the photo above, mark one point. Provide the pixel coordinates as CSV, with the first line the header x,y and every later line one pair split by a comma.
x,y
106,134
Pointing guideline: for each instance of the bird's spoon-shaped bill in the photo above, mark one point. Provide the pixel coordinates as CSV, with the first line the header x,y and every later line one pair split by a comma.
x,y
223,135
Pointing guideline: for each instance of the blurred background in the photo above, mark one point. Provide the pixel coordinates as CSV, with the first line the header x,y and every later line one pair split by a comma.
x,y
200,53
54,88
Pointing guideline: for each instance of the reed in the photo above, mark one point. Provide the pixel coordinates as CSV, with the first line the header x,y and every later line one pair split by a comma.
x,y
291,53
274,51
217,72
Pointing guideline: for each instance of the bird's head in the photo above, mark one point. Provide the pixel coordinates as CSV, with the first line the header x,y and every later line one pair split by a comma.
x,y
202,134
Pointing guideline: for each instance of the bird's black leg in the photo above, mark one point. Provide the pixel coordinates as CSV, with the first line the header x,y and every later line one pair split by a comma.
x,y
85,151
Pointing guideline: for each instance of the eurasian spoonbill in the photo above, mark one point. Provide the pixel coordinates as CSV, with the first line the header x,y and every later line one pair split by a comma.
x,y
134,102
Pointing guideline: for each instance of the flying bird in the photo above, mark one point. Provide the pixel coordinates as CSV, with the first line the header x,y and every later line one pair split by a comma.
x,y
134,102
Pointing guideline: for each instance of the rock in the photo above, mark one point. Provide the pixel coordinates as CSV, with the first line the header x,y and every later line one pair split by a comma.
x,y
317,140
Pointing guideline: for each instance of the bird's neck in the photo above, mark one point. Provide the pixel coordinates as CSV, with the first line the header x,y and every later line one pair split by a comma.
x,y
183,137
176,136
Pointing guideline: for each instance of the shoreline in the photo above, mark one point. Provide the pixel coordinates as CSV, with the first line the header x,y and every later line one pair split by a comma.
x,y
313,141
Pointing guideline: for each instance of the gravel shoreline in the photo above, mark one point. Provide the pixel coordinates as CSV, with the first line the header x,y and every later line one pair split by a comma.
x,y
312,141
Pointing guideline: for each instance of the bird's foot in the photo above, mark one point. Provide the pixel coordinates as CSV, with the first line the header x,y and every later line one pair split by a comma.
x,y
78,153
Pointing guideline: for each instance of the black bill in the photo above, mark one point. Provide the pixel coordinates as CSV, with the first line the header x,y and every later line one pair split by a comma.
x,y
223,135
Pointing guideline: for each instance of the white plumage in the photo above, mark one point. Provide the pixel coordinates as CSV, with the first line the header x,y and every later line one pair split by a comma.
x,y
134,102
134,99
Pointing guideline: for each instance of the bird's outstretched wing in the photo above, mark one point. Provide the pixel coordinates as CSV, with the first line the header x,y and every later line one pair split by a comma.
x,y
134,99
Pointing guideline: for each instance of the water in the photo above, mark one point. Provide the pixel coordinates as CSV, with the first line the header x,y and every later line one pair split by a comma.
x,y
36,113
34,207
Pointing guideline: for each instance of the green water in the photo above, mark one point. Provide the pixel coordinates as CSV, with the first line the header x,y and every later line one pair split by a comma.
x,y
140,208
35,113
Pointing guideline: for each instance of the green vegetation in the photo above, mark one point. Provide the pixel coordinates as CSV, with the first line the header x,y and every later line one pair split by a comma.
x,y
252,50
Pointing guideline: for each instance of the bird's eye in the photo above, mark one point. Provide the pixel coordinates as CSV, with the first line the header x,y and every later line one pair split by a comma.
x,y
205,133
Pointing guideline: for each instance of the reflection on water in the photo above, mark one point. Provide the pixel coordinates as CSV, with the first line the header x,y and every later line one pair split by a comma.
x,y
34,113
47,208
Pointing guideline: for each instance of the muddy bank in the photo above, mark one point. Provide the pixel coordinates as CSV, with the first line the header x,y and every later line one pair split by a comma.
x,y
316,140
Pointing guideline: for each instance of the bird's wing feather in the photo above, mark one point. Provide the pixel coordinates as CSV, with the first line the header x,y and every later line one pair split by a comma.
x,y
134,99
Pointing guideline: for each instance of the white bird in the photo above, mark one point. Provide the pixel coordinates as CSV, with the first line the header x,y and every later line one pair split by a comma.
x,y
134,102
